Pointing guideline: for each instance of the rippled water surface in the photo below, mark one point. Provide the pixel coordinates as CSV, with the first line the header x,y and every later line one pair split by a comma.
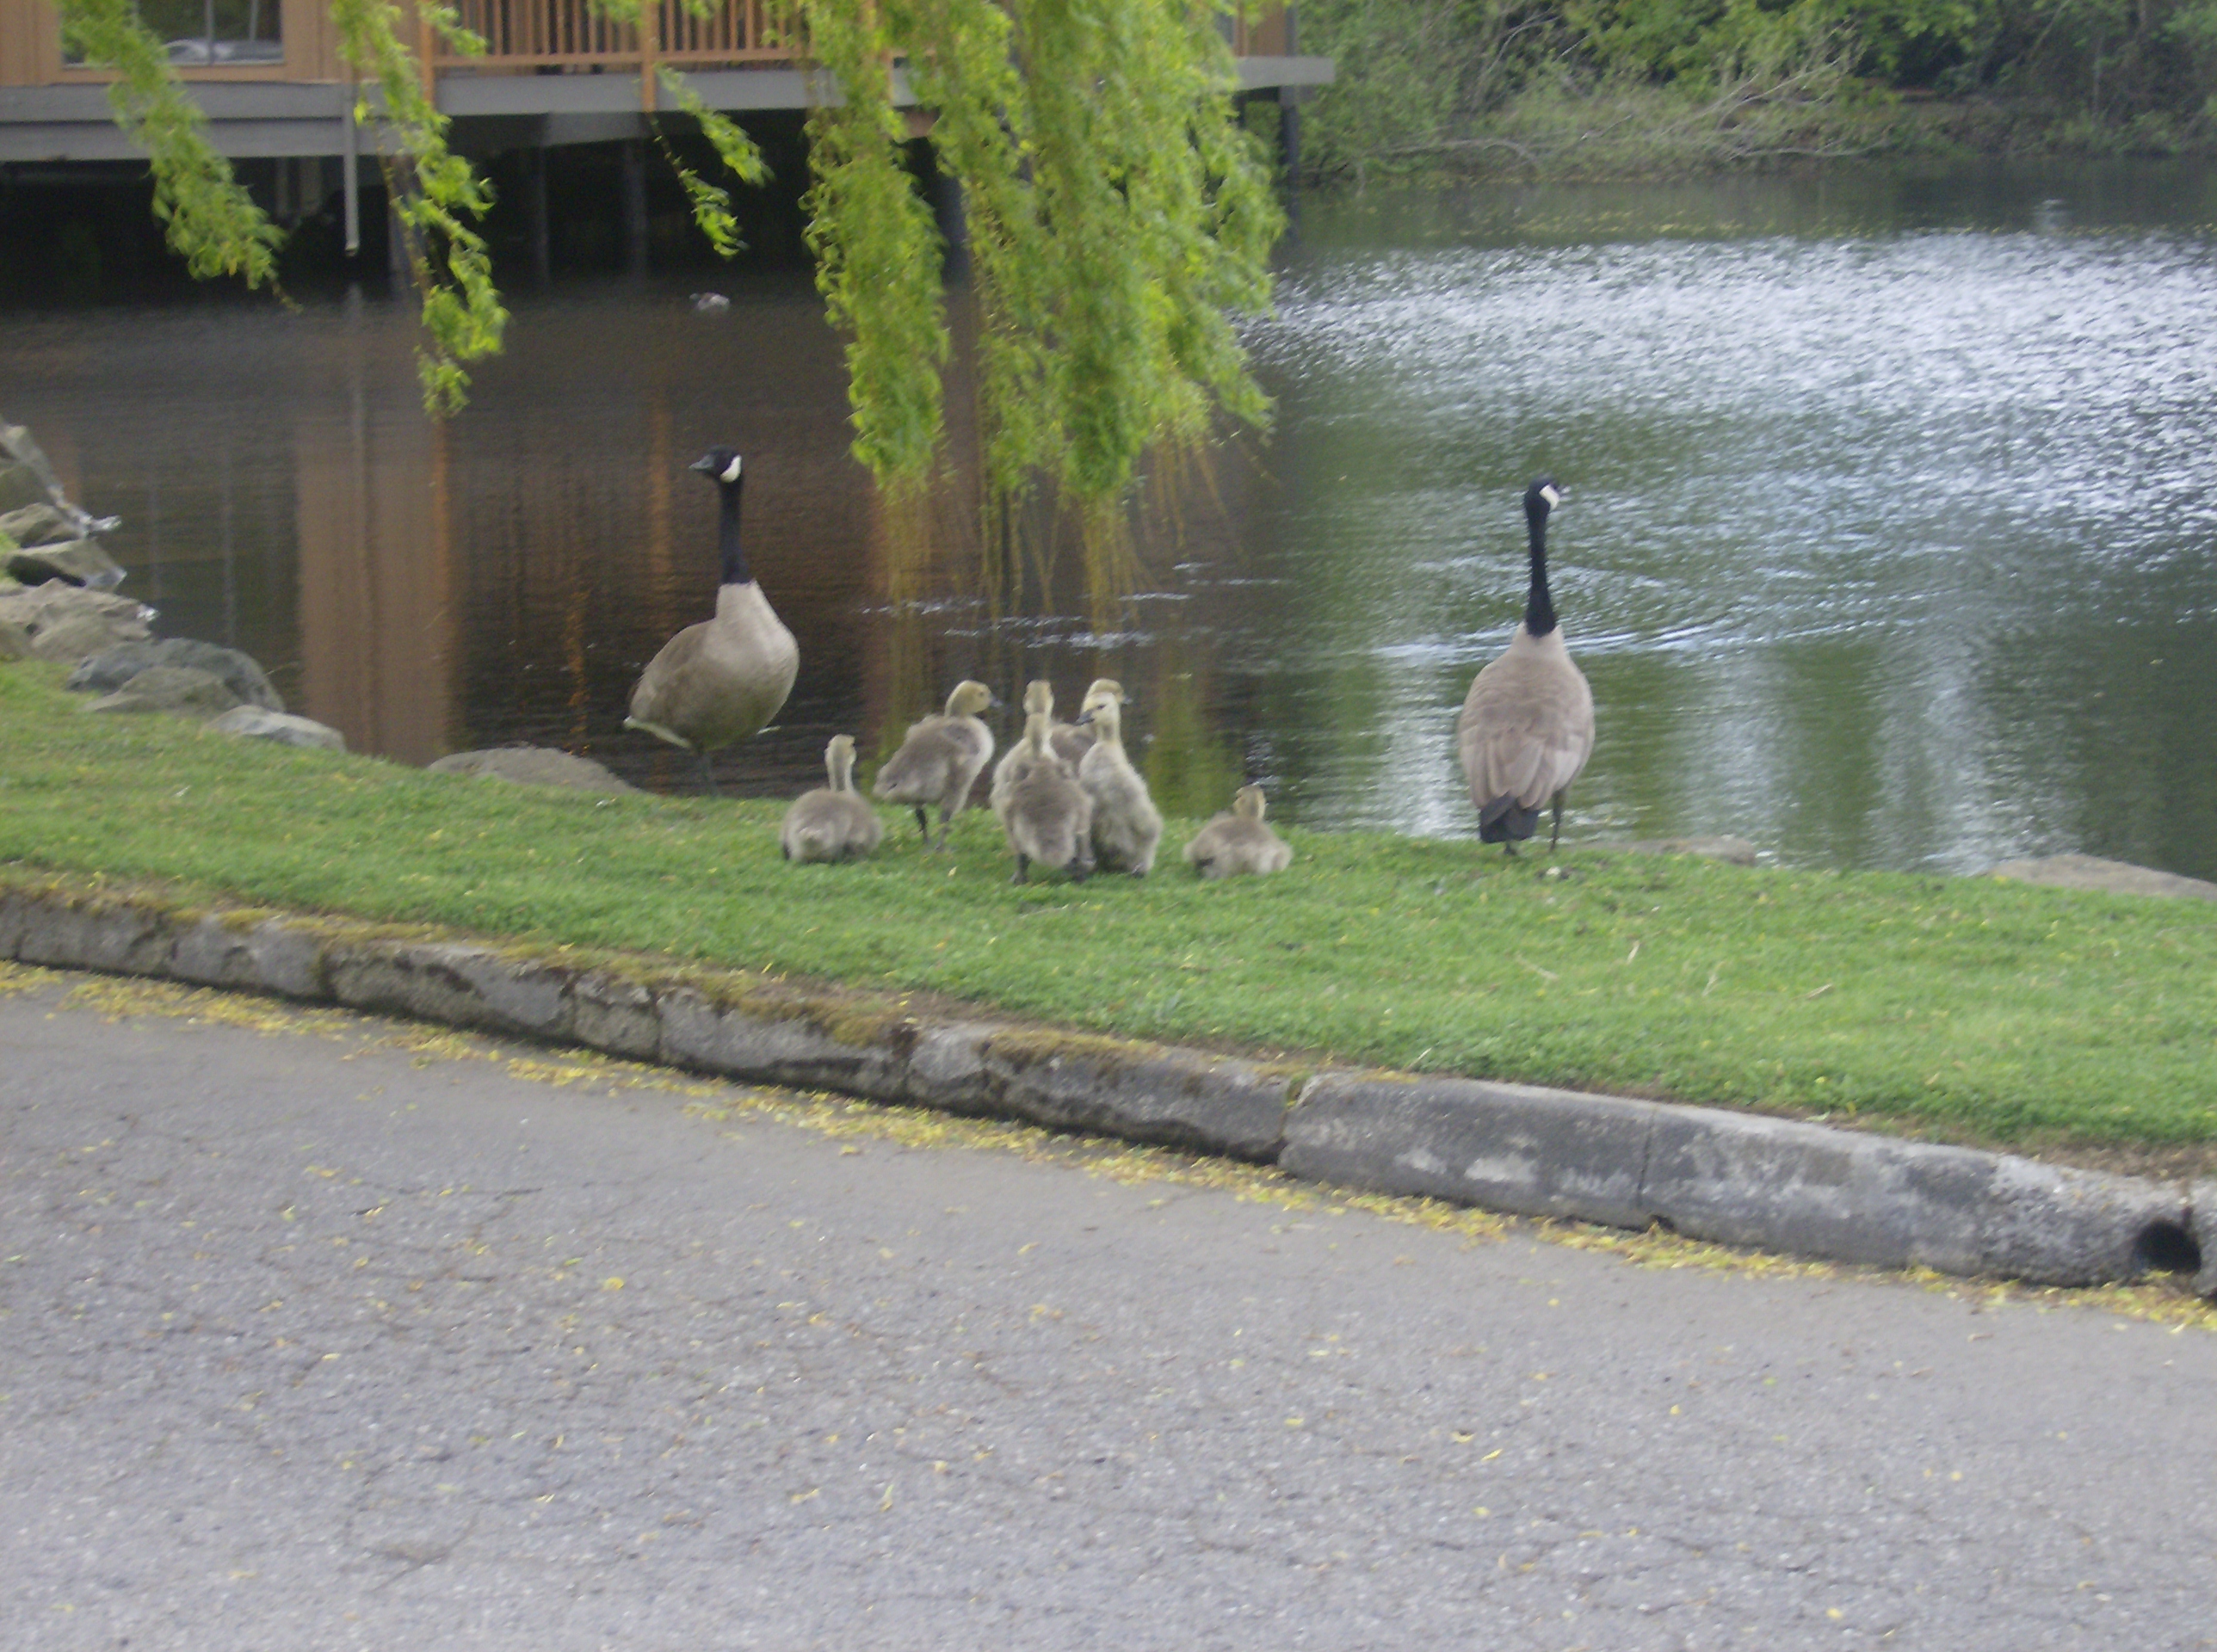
x,y
1888,539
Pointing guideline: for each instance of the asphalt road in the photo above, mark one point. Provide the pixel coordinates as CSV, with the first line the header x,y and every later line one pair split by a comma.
x,y
320,1333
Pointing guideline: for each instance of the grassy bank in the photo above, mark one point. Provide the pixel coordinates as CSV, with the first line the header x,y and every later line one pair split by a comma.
x,y
1961,1009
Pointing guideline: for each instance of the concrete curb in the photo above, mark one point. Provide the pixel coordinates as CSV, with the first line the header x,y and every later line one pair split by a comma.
x,y
1740,1179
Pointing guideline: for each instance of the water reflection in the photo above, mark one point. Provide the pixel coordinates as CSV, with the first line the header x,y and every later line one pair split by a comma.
x,y
1888,540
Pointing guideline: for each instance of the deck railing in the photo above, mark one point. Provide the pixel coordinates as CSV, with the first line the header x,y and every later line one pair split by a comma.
x,y
571,35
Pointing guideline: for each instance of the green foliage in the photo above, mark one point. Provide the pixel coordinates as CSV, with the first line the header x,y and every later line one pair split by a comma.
x,y
1119,215
212,221
435,196
711,202
1963,1008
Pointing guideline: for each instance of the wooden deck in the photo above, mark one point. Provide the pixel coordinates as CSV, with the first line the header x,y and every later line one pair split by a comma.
x,y
520,36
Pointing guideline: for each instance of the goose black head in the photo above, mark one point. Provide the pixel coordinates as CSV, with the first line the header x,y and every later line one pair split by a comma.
x,y
1542,497
719,464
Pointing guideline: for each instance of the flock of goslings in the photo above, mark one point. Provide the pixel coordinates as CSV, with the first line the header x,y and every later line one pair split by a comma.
x,y
1066,795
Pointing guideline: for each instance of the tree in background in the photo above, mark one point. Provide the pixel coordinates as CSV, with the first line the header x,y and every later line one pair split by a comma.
x,y
1120,216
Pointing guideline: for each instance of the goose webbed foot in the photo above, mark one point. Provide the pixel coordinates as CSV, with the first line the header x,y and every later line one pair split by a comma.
x,y
923,826
1508,849
1079,870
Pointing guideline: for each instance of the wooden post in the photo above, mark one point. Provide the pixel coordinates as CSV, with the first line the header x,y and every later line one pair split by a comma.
x,y
649,20
426,43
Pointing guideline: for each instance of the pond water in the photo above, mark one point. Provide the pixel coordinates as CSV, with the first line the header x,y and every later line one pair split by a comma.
x,y
1890,536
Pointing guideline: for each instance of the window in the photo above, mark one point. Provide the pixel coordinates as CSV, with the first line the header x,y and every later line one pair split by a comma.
x,y
220,33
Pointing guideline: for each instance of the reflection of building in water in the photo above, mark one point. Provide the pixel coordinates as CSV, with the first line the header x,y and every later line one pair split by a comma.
x,y
378,625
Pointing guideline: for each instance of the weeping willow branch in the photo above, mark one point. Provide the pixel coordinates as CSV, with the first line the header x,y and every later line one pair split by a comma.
x,y
212,221
436,197
1119,217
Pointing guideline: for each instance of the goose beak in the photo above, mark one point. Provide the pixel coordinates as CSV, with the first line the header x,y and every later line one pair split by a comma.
x,y
706,462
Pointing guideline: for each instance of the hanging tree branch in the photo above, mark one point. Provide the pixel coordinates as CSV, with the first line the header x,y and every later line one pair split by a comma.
x,y
1120,216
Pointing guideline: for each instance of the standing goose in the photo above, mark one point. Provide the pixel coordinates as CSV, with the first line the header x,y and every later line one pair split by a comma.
x,y
719,682
1527,726
1126,824
1044,813
1072,741
1238,841
940,760
832,823
1038,701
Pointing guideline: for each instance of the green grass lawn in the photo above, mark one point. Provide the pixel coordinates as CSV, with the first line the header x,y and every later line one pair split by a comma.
x,y
1962,1009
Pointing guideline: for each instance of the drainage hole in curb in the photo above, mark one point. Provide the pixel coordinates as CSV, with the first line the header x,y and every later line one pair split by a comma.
x,y
2166,1247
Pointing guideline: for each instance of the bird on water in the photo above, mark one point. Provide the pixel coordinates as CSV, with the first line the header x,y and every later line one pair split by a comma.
x,y
1526,727
718,683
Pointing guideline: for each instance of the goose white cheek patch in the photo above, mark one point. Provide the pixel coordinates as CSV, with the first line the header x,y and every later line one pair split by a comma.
x,y
733,473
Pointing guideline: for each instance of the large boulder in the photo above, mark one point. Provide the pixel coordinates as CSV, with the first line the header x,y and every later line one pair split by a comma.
x,y
65,622
74,562
35,513
533,766
41,522
112,668
253,722
2117,877
180,690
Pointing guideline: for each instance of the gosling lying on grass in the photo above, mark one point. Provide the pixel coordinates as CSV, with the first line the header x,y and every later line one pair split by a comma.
x,y
831,822
1238,841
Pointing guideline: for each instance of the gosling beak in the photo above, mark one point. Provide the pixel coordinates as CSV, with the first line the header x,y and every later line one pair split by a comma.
x,y
1082,720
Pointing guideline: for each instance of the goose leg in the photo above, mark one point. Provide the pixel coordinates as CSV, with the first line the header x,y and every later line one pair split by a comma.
x,y
709,774
1023,866
1557,830
923,825
1508,848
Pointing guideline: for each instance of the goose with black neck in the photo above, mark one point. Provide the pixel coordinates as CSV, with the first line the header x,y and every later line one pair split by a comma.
x,y
718,683
1527,726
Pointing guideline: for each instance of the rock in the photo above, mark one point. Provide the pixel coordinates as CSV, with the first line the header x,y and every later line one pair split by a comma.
x,y
533,766
38,523
66,622
255,723
79,562
2090,872
111,669
14,641
181,689
1734,851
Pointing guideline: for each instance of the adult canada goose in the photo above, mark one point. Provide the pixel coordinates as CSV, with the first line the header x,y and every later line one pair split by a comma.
x,y
719,682
1044,812
1038,701
1072,741
940,760
1238,841
1527,726
1126,824
832,823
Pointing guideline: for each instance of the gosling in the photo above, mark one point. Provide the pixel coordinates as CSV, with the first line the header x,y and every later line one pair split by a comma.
x,y
1046,815
831,822
1038,701
1238,841
1126,826
940,760
1072,741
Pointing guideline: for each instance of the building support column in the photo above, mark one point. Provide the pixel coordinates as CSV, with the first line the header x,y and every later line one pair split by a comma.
x,y
534,214
633,154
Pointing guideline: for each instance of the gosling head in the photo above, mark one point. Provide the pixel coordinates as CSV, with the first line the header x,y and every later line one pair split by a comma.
x,y
1103,715
1039,698
1248,802
1542,497
719,464
839,757
1108,686
970,697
